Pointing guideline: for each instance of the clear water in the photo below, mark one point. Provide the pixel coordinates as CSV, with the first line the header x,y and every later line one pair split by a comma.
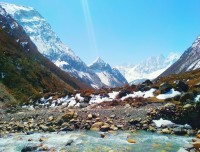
x,y
92,142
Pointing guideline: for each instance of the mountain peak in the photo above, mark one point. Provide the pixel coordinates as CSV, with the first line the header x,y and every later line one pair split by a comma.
x,y
12,8
98,61
196,42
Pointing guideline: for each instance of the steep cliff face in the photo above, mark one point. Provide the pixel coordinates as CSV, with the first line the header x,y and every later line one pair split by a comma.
x,y
190,60
50,45
24,71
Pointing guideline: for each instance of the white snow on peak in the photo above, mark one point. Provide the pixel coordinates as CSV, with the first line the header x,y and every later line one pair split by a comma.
x,y
49,44
109,76
196,42
98,60
149,68
12,8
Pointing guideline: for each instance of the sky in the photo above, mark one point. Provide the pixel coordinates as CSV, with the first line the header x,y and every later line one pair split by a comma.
x,y
121,31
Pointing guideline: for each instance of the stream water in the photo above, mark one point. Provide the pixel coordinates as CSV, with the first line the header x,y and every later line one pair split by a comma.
x,y
92,142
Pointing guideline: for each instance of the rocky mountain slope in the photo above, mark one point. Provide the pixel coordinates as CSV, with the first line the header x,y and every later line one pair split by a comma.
x,y
24,72
49,44
148,69
190,60
108,75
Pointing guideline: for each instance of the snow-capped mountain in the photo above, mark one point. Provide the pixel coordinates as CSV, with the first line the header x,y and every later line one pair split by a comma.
x,y
108,75
190,60
148,69
49,44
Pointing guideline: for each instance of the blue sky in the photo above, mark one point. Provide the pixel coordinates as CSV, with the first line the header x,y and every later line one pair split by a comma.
x,y
121,31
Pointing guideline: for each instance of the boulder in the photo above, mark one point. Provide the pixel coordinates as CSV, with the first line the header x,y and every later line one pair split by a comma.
x,y
68,115
44,128
132,141
196,145
185,96
179,131
147,82
122,93
29,149
166,131
69,142
90,116
198,136
188,107
42,139
83,105
165,87
177,97
170,105
181,86
50,118
105,127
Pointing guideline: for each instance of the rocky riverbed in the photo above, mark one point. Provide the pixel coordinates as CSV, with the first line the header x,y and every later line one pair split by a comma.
x,y
163,110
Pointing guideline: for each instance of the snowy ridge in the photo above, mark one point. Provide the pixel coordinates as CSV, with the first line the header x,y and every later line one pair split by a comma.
x,y
148,69
108,75
49,44
190,60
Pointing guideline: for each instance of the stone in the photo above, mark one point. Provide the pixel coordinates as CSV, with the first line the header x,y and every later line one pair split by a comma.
x,y
50,118
147,82
122,93
90,116
182,150
112,127
112,116
120,126
29,133
135,121
44,128
165,87
42,139
69,142
188,146
30,139
196,145
181,86
191,132
68,115
83,105
179,131
188,106
177,97
102,135
131,140
97,124
185,96
51,129
166,131
170,105
105,127
29,149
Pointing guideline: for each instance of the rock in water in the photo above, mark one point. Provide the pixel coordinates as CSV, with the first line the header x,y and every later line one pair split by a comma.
x,y
131,140
69,142
29,149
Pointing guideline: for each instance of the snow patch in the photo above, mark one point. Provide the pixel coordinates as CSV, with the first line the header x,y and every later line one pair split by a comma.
x,y
145,94
172,93
162,122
